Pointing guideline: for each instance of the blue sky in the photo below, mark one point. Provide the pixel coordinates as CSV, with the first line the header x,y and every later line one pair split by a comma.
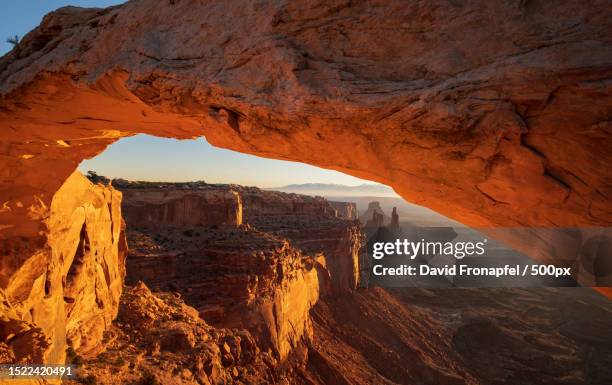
x,y
21,16
148,158
145,157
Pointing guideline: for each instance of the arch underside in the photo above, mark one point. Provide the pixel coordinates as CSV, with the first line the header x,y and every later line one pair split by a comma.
x,y
514,133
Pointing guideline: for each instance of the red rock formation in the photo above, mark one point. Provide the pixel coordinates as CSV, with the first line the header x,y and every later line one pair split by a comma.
x,y
312,225
235,277
65,287
339,243
371,336
150,206
461,336
159,339
269,204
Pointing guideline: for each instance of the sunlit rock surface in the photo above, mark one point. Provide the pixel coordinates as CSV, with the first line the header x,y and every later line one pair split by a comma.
x,y
159,337
374,336
65,289
154,207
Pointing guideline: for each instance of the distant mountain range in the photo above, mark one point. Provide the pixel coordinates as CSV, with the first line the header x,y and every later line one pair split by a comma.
x,y
329,189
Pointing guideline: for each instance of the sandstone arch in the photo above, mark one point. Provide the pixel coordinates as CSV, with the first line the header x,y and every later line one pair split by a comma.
x,y
494,114
512,130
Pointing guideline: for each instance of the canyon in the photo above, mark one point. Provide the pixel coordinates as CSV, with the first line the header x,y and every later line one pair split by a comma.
x,y
256,286
511,136
243,257
259,297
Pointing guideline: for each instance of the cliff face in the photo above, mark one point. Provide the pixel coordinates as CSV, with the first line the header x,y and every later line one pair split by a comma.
x,y
372,336
346,210
234,277
461,336
66,288
312,224
164,208
273,204
264,275
494,114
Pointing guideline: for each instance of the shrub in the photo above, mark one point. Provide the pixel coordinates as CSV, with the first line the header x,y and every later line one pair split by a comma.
x,y
73,357
14,40
148,378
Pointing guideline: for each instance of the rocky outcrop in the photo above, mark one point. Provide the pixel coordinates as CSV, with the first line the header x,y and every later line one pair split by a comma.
x,y
64,288
371,336
21,341
158,339
494,114
394,224
376,221
374,216
274,204
345,210
311,224
340,245
147,205
235,277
